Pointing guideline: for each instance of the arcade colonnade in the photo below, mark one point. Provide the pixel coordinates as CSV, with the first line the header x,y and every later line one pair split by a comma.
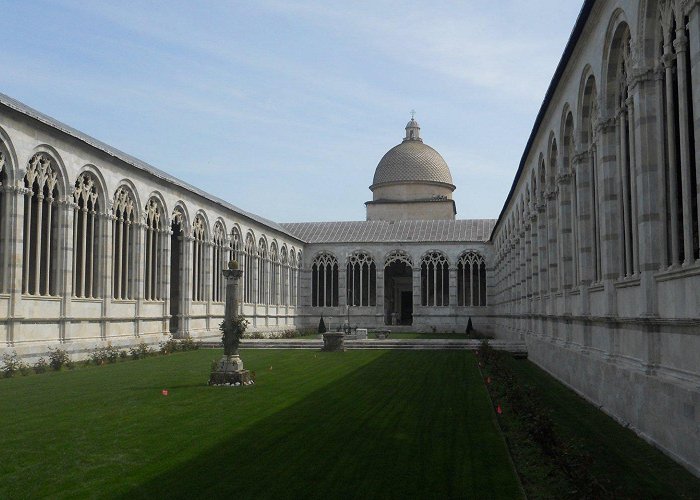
x,y
596,250
405,284
95,245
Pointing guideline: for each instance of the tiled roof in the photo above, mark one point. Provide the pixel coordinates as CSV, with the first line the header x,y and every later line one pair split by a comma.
x,y
135,162
390,232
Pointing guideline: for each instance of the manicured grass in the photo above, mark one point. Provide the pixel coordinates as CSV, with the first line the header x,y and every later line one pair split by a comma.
x,y
627,465
381,424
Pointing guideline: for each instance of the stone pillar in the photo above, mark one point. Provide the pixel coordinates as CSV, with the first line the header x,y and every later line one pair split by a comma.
x,y
565,230
15,222
693,14
452,278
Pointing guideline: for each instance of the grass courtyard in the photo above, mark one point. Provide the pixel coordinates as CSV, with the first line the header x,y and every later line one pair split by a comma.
x,y
359,424
315,425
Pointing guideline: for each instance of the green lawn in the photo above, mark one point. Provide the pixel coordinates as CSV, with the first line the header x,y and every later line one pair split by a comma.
x,y
382,424
632,467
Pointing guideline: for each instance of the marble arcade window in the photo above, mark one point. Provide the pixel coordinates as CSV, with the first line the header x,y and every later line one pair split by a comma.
x,y
471,280
435,287
123,244
41,242
324,281
86,237
361,280
155,234
199,259
220,256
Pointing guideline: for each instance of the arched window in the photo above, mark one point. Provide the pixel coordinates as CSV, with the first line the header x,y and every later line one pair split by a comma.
x,y
361,280
471,280
435,281
553,224
236,251
284,278
219,262
619,104
324,281
4,237
250,270
293,277
41,230
177,266
155,234
263,273
568,154
543,229
123,239
86,237
274,275
589,125
679,155
199,254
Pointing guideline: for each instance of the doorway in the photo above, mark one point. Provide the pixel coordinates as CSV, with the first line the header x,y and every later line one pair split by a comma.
x,y
398,293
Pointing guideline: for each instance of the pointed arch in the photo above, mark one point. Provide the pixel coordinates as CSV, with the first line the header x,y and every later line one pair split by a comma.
x,y
361,279
200,257
435,279
220,251
155,244
88,233
43,235
471,279
324,280
250,271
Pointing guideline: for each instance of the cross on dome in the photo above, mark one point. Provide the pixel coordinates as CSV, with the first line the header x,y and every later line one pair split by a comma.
x,y
413,129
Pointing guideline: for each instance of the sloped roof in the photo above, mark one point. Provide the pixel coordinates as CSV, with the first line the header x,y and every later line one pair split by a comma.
x,y
476,230
134,162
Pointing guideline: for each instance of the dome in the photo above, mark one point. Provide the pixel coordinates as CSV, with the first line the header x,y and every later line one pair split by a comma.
x,y
412,161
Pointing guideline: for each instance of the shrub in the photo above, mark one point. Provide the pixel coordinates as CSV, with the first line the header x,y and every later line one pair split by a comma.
x,y
142,350
106,354
41,366
13,364
123,354
59,358
322,326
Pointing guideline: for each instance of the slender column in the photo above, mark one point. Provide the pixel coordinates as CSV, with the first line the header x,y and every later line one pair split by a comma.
x,y
83,247
625,270
671,164
120,256
681,46
75,245
93,243
128,273
37,247
633,187
28,239
148,261
49,270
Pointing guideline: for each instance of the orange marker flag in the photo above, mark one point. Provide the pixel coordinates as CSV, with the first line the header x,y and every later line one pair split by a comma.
x,y
498,409
164,392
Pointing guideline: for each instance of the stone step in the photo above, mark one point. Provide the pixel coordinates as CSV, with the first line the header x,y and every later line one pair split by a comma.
x,y
515,347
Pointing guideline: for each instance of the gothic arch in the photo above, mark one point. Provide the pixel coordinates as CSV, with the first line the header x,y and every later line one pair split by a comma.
x,y
58,164
324,280
435,289
398,256
89,206
156,220
471,279
12,165
361,279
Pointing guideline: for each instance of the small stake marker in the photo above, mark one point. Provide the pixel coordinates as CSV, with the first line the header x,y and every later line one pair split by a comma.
x,y
164,392
498,409
488,380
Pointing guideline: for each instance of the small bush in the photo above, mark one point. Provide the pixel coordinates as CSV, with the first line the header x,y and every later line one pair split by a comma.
x,y
107,354
41,366
58,358
142,350
13,364
322,326
123,354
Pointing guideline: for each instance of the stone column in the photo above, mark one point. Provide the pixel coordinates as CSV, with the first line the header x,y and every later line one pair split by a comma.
x,y
15,221
693,13
565,230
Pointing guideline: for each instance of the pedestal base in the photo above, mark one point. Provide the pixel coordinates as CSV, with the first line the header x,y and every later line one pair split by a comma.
x,y
230,371
333,342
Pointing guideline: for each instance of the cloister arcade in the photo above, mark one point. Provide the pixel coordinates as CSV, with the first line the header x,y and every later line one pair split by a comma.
x,y
596,252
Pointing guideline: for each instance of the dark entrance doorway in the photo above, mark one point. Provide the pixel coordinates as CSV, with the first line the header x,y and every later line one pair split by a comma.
x,y
398,293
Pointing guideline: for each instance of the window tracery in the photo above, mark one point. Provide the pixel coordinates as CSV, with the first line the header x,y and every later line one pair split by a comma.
x,y
435,287
123,237
361,280
250,270
471,280
199,259
219,262
324,281
86,237
4,237
41,231
284,279
263,273
274,275
153,286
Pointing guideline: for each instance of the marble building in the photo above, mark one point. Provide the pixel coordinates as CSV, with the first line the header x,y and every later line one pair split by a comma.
x,y
594,260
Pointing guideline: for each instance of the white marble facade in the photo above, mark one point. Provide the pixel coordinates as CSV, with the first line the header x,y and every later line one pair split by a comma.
x,y
594,260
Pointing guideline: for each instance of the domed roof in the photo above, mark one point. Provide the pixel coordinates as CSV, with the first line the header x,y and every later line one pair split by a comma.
x,y
412,161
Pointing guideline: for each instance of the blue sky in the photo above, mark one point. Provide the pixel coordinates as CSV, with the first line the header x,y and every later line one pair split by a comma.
x,y
284,108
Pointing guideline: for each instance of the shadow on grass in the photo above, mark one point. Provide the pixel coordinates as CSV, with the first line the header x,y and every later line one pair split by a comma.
x,y
396,427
